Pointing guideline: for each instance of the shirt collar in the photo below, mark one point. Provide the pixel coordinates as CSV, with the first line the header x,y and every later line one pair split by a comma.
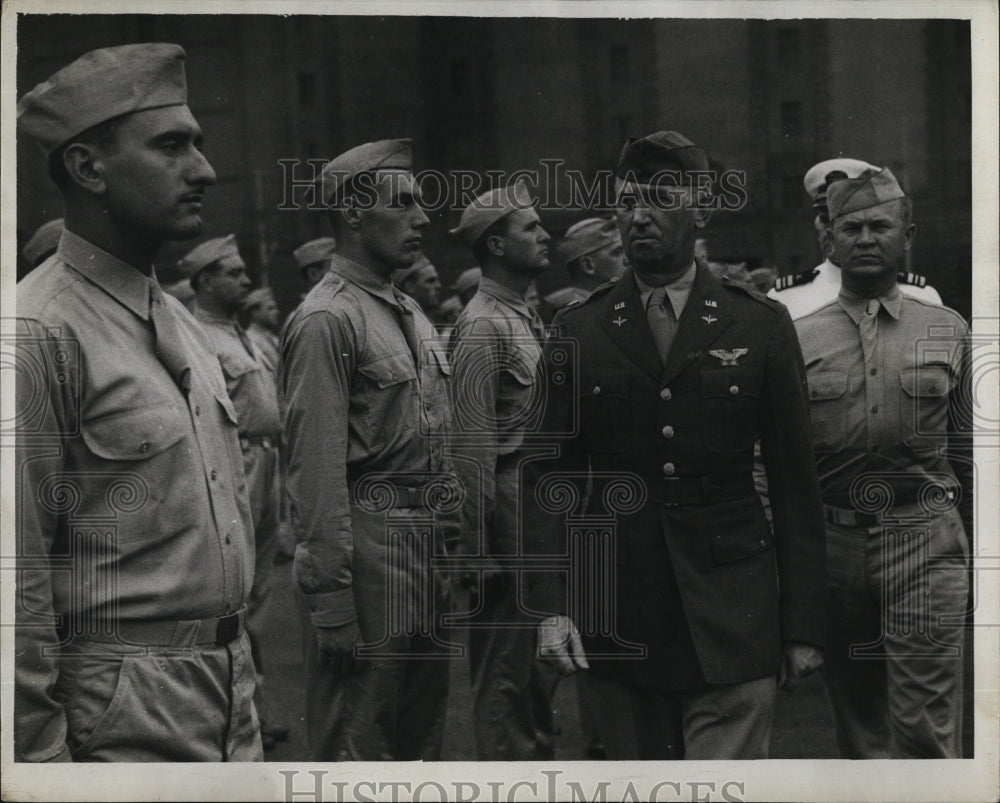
x,y
365,278
125,284
210,316
854,305
505,295
677,291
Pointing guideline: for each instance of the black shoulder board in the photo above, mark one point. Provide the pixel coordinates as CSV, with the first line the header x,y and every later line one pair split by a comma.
x,y
911,278
796,279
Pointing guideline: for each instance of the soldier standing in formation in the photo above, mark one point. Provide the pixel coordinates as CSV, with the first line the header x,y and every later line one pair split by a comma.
x,y
218,276
150,660
367,401
591,251
889,399
495,353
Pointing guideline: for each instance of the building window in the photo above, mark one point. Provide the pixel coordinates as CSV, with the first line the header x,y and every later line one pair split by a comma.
x,y
789,47
621,125
791,192
618,56
459,77
791,119
307,89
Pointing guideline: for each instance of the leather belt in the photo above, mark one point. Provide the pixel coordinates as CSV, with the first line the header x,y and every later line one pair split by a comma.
x,y
405,495
246,441
677,491
219,630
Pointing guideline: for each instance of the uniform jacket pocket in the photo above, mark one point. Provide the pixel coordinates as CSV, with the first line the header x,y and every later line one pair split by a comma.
x,y
729,408
827,414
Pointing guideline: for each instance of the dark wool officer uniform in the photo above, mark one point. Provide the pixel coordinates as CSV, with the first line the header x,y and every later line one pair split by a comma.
x,y
705,595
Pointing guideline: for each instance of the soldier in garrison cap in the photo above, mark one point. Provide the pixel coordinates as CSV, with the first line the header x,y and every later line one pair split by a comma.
x,y
889,392
150,660
421,283
677,375
495,352
217,274
43,242
804,292
265,324
592,254
365,384
313,259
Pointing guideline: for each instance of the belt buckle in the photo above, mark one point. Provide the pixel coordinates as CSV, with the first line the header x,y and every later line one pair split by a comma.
x,y
227,629
673,486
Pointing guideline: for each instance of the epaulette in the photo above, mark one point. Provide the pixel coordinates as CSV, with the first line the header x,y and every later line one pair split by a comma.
x,y
753,292
914,279
795,279
598,291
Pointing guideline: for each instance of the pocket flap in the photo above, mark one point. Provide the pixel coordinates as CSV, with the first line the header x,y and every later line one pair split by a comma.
x,y
728,383
135,434
827,385
928,380
606,385
390,369
234,367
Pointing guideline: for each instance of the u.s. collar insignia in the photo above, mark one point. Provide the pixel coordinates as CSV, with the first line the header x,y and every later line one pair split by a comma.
x,y
708,319
619,321
710,303
619,305
728,357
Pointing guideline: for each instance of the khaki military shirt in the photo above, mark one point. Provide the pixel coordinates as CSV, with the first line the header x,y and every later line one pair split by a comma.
x,y
248,380
266,344
495,353
131,496
358,402
895,416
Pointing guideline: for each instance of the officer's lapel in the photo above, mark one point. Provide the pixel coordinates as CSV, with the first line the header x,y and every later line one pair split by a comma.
x,y
624,319
706,315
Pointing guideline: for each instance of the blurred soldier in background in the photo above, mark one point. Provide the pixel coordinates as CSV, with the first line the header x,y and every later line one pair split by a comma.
x,y
313,259
804,292
677,376
182,291
149,660
43,243
219,278
890,406
421,282
592,254
264,326
464,289
365,385
495,352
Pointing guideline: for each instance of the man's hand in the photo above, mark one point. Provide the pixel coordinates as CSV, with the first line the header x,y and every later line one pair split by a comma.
x,y
798,661
559,642
336,647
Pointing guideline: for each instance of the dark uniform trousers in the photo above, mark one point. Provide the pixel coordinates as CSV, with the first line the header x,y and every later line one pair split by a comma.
x,y
705,594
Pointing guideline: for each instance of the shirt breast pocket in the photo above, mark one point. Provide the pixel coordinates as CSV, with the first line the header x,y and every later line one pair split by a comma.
x,y
924,413
826,410
729,408
435,378
604,407
235,369
143,469
390,383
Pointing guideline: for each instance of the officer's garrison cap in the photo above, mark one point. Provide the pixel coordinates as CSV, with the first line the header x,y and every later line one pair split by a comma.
x,y
208,253
586,237
658,156
818,177
385,154
99,86
489,207
317,250
871,188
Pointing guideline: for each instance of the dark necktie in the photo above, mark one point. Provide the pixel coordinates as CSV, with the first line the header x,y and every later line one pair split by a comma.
x,y
245,340
408,323
868,327
167,339
662,323
537,327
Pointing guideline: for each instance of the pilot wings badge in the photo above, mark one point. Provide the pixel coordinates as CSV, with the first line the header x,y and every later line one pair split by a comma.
x,y
728,357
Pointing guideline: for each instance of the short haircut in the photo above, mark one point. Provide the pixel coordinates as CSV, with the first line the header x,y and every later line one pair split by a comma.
x,y
103,135
480,249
